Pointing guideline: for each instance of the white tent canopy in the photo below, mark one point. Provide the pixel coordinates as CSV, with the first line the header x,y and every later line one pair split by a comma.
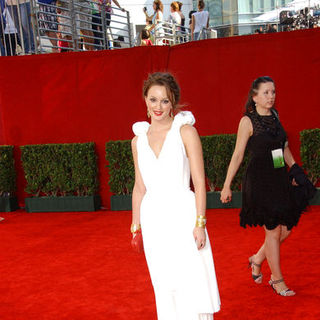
x,y
296,5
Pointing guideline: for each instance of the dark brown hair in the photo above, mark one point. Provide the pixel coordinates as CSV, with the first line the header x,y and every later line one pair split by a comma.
x,y
201,4
145,34
250,104
166,80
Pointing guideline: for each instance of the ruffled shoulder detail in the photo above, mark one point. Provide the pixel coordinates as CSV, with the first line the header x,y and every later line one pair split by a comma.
x,y
184,117
141,127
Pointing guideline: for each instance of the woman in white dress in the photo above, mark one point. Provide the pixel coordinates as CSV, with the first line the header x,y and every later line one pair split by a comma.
x,y
170,216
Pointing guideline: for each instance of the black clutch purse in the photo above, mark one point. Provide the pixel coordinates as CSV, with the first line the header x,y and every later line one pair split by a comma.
x,y
305,190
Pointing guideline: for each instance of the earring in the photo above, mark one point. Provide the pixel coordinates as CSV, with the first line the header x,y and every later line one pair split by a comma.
x,y
148,114
171,113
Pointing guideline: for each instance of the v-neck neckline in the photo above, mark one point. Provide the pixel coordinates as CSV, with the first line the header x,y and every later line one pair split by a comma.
x,y
163,144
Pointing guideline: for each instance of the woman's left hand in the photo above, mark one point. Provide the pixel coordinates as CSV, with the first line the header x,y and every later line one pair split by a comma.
x,y
200,237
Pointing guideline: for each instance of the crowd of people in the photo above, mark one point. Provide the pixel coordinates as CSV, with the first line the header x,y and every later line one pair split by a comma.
x,y
15,27
55,21
93,19
304,19
290,21
156,24
269,28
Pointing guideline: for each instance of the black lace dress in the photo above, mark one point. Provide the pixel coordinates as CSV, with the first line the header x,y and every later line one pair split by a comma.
x,y
267,195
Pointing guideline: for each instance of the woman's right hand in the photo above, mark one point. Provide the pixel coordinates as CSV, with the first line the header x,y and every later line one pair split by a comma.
x,y
226,195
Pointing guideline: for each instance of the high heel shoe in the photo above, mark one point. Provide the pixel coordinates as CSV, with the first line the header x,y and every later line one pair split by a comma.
x,y
285,292
257,278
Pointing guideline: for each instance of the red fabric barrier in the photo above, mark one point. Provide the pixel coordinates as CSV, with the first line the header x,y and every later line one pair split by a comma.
x,y
96,96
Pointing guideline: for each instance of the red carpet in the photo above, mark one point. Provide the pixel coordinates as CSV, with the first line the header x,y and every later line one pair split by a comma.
x,y
74,266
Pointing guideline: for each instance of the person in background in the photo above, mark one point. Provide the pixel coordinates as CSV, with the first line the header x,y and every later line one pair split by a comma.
x,y
268,198
64,26
2,27
156,30
97,25
149,27
200,22
190,17
48,21
119,42
145,38
183,21
11,35
83,15
270,29
174,16
20,11
107,4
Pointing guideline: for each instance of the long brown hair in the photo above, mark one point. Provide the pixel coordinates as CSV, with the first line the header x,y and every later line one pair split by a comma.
x,y
159,5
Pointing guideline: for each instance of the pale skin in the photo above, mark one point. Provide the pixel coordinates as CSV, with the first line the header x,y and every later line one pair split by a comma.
x,y
160,107
118,5
151,17
264,99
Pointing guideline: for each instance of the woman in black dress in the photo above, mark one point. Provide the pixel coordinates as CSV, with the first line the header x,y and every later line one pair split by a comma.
x,y
267,194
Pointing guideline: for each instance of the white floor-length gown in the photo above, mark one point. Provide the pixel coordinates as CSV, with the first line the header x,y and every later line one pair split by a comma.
x,y
183,277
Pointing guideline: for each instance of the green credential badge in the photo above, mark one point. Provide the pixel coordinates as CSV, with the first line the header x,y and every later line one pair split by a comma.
x,y
278,160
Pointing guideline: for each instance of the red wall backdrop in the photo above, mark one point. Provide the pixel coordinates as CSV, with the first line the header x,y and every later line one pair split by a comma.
x,y
96,96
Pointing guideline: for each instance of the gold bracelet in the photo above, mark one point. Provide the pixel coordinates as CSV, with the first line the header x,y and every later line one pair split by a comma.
x,y
201,221
135,227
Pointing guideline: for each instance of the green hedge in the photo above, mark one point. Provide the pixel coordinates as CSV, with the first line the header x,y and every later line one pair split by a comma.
x,y
310,153
7,171
60,169
121,167
217,153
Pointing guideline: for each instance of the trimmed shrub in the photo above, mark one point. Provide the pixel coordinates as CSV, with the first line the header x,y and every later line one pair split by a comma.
x,y
217,153
310,153
7,171
60,169
121,166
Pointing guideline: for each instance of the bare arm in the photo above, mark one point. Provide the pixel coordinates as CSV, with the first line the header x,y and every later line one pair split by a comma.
x,y
192,26
288,157
193,147
244,132
147,16
118,5
139,188
152,27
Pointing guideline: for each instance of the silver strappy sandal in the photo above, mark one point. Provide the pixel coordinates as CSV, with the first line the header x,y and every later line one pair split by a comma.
x,y
285,293
257,278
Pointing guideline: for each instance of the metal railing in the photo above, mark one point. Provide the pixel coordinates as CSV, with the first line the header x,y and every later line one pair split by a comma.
x,y
167,33
61,25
